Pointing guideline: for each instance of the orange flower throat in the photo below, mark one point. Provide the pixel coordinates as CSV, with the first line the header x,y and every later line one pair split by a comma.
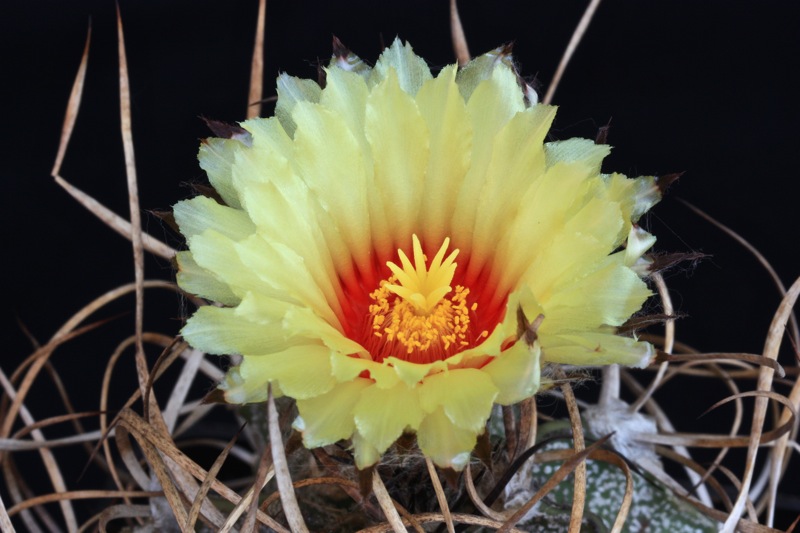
x,y
416,315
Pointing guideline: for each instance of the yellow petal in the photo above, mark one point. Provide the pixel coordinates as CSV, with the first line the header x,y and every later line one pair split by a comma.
x,y
608,296
217,253
544,209
365,453
195,279
290,91
201,213
581,248
481,68
264,176
281,268
216,157
223,331
563,262
290,223
381,415
295,320
399,140
516,372
346,368
599,218
596,349
268,135
336,173
517,155
257,166
346,95
328,418
490,107
466,395
636,196
450,131
577,150
447,445
412,71
301,372
412,373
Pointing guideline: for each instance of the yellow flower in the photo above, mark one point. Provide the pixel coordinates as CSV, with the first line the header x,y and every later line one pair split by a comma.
x,y
384,240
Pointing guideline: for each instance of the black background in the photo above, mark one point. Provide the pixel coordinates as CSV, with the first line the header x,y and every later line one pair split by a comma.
x,y
708,88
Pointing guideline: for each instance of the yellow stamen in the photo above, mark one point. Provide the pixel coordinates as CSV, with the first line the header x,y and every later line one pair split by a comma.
x,y
423,287
412,314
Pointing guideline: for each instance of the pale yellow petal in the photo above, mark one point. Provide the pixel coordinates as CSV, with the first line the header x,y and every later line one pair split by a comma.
x,y
381,415
280,267
599,218
636,196
450,130
262,166
577,150
290,222
543,211
265,177
300,262
517,155
466,395
365,453
301,372
399,140
346,95
336,173
412,373
220,330
290,91
447,445
216,157
296,320
581,247
481,68
328,418
217,253
195,279
596,349
200,213
346,368
268,135
490,107
516,372
608,296
263,309
412,71
563,262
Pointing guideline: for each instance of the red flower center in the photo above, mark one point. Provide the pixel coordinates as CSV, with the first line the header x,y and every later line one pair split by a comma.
x,y
418,314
